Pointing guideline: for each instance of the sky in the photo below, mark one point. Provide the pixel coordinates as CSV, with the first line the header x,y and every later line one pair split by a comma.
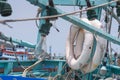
x,y
27,30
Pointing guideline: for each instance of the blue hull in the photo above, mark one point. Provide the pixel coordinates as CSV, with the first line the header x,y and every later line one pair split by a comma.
x,y
18,78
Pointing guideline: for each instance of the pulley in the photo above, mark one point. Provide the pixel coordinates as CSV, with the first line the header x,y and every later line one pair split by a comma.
x,y
50,9
91,14
45,28
5,8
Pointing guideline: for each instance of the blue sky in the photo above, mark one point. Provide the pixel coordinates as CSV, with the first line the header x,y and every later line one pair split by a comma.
x,y
27,31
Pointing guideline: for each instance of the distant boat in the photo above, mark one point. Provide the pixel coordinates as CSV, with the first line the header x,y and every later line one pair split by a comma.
x,y
20,53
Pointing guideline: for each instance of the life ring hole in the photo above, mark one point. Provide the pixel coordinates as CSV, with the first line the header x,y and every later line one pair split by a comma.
x,y
90,47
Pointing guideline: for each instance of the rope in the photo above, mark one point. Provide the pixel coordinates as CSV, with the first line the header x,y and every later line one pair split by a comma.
x,y
54,78
43,55
59,15
68,74
30,67
40,54
37,15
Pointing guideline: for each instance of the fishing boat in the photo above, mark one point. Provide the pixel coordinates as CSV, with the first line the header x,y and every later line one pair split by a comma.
x,y
88,54
20,52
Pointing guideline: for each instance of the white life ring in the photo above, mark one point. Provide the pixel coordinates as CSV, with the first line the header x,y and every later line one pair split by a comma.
x,y
78,56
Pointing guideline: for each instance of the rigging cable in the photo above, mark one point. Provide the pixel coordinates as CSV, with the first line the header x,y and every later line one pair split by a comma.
x,y
7,25
109,31
109,48
119,31
54,26
112,13
59,15
107,20
70,72
80,12
13,47
116,18
58,75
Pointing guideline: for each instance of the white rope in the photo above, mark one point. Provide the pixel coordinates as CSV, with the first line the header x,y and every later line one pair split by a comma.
x,y
60,15
30,67
40,54
42,58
